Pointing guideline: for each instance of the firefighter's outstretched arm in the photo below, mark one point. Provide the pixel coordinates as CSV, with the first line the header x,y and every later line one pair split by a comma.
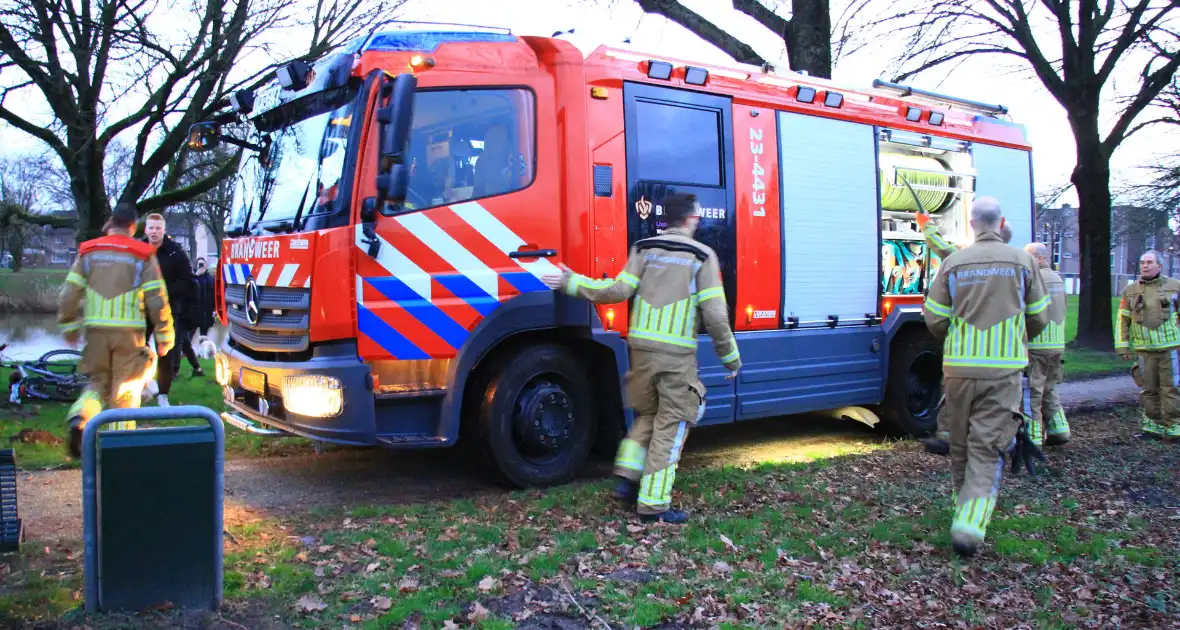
x,y
715,314
155,302
1036,310
934,238
938,306
69,301
605,291
1122,329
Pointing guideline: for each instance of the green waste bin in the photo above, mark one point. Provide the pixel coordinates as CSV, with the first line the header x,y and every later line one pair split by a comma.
x,y
152,511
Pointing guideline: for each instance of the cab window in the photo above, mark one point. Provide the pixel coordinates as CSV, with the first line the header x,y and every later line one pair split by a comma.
x,y
470,144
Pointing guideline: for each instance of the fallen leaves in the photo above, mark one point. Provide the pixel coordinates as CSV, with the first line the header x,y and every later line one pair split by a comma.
x,y
310,604
382,603
488,583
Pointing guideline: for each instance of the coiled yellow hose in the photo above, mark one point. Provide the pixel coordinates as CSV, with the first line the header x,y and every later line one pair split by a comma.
x,y
898,197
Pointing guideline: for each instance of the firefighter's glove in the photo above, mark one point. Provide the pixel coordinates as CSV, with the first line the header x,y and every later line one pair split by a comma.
x,y
1025,452
922,220
163,347
558,281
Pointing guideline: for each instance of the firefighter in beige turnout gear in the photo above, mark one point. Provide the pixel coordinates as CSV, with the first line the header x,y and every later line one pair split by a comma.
x,y
936,243
984,301
671,277
1147,325
1045,367
114,280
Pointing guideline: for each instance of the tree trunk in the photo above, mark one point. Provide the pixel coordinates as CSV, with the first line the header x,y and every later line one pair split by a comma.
x,y
1091,177
16,246
809,39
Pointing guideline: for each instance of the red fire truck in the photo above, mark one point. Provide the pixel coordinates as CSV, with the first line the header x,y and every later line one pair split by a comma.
x,y
400,200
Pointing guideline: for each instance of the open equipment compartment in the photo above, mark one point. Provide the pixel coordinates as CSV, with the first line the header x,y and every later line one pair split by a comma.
x,y
920,171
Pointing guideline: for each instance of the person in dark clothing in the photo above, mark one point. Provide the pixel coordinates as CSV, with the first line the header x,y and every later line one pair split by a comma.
x,y
182,295
205,306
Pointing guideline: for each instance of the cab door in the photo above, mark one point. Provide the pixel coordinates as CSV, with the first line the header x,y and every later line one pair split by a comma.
x,y
477,229
682,141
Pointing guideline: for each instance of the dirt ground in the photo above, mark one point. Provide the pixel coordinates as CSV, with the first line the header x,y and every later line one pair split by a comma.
x,y
50,502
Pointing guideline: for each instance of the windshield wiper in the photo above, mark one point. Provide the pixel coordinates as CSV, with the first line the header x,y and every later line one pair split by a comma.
x,y
281,226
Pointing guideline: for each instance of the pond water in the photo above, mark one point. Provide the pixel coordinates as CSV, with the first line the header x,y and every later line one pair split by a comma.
x,y
30,336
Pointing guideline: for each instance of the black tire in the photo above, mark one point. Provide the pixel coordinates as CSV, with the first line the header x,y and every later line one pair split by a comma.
x,y
537,416
914,384
52,390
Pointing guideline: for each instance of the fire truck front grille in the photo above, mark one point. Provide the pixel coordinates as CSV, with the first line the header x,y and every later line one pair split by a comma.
x,y
267,340
283,319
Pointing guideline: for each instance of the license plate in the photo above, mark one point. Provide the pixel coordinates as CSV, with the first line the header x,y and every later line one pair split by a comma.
x,y
253,381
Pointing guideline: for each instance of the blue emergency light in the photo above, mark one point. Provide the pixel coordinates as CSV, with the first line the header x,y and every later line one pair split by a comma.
x,y
411,37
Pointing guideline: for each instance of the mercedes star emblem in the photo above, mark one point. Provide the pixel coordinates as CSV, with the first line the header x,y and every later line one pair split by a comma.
x,y
252,312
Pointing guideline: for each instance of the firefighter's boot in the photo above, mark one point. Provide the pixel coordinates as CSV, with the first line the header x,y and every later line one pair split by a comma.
x,y
670,515
626,490
937,445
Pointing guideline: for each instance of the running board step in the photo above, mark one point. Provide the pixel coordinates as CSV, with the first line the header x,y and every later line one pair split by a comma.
x,y
412,441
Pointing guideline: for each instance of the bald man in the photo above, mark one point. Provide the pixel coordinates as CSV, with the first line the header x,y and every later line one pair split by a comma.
x,y
1045,352
940,443
982,302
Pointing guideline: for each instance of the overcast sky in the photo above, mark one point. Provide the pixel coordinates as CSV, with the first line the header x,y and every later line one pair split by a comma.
x,y
611,21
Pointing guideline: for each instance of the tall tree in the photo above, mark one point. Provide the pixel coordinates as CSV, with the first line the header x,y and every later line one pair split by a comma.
x,y
97,69
1074,48
807,33
24,205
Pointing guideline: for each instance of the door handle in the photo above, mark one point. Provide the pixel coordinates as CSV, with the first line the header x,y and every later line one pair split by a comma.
x,y
533,253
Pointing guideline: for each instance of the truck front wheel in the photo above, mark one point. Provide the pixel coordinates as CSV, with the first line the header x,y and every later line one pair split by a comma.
x,y
914,384
537,416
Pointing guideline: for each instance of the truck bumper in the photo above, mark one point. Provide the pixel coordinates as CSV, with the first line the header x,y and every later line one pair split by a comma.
x,y
353,425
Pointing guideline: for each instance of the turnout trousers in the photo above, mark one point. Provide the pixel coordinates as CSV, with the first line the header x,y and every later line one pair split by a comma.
x,y
117,362
666,396
981,415
1045,373
1160,397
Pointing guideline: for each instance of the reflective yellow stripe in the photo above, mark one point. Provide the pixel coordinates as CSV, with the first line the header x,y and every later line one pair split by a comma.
x,y
76,279
710,293
731,357
123,310
70,326
652,336
1038,306
1001,346
152,284
1051,338
629,279
937,309
1166,336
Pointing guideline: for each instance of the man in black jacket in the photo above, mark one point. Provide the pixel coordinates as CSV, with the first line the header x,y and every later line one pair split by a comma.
x,y
182,295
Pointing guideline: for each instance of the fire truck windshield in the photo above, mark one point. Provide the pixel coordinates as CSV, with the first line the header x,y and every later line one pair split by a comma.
x,y
304,163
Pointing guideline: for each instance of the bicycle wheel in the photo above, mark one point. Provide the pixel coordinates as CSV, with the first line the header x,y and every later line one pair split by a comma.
x,y
64,361
57,391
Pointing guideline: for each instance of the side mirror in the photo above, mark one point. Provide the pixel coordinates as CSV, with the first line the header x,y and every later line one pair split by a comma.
x,y
204,136
395,118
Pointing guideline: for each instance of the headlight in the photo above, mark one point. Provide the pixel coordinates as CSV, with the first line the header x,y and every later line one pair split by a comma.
x,y
313,395
221,369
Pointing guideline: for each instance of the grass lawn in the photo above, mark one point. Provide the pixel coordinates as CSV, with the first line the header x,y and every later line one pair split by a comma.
x,y
1081,363
855,541
186,390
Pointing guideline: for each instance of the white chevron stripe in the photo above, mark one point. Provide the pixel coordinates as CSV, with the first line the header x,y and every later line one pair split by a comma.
x,y
501,236
451,251
360,289
397,264
307,283
264,274
286,276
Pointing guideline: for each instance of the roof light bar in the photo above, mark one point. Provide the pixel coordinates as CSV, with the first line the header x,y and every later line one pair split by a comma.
x,y
695,76
805,94
913,114
905,91
833,99
936,118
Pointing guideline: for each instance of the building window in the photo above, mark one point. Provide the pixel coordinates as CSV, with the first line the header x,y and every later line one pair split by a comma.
x,y
1057,252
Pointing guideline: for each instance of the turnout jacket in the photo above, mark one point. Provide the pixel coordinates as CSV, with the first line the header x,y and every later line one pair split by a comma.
x,y
114,280
1053,337
985,302
1147,315
672,277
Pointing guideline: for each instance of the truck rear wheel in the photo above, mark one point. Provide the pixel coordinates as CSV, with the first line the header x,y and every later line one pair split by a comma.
x,y
914,385
537,416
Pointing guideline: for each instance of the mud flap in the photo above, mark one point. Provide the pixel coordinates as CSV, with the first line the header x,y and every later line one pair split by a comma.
x,y
858,414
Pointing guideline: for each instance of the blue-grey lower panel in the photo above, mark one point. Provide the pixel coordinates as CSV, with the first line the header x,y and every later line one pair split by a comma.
x,y
719,393
799,371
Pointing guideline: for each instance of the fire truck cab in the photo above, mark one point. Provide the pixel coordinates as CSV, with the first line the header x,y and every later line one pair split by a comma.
x,y
399,202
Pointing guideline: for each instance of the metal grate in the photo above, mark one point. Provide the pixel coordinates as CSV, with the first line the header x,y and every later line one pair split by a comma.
x,y
266,340
602,180
271,297
11,530
297,321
